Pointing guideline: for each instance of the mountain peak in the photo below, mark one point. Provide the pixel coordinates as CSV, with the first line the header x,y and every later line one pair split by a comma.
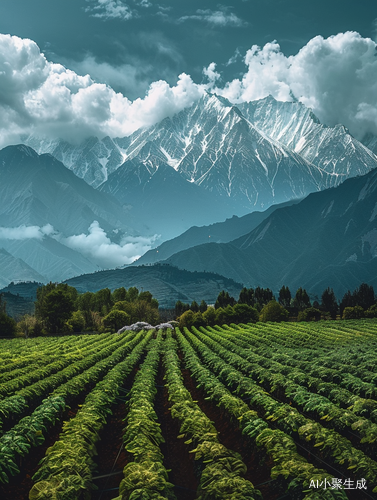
x,y
218,98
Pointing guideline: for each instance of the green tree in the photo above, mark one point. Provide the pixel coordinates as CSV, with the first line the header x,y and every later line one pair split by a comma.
x,y
186,319
210,316
329,302
364,296
273,311
356,312
347,301
115,320
30,326
144,311
285,297
44,291
132,294
262,296
203,306
102,301
246,296
77,321
147,296
301,300
180,308
119,294
85,303
224,299
245,314
7,324
56,309
194,306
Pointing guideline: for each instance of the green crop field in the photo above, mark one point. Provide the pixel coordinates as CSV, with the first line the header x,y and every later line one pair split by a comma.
x,y
240,412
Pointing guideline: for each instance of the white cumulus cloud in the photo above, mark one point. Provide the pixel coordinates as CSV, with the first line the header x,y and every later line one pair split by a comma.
x,y
211,73
336,77
47,99
100,249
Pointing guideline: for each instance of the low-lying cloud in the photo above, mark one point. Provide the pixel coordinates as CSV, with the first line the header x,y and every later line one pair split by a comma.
x,y
99,248
95,245
25,232
336,77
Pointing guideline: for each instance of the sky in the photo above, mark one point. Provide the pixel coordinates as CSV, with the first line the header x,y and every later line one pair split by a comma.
x,y
80,68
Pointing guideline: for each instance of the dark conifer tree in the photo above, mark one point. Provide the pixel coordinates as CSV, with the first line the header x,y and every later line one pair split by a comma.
x,y
301,300
329,303
285,297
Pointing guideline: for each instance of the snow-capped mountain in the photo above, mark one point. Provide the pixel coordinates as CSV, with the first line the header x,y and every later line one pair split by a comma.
x,y
213,146
333,149
248,156
92,160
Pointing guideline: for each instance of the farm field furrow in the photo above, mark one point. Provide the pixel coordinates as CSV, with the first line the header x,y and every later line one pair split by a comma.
x,y
277,381
333,447
251,412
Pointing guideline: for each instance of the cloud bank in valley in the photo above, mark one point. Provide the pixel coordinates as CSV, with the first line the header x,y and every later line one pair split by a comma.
x,y
99,248
336,77
25,232
95,245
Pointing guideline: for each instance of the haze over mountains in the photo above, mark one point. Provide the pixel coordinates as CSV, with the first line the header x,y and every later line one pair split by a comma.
x,y
104,202
327,240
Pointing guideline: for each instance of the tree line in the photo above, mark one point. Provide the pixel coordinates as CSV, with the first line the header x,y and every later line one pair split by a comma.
x,y
59,308
260,304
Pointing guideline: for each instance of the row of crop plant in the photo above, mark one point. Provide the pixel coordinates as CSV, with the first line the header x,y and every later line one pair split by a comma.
x,y
68,465
281,384
332,446
290,468
31,395
31,430
339,386
220,469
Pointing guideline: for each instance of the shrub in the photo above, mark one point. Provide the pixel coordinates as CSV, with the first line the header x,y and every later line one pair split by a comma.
x,y
371,312
355,312
309,314
76,322
115,320
273,312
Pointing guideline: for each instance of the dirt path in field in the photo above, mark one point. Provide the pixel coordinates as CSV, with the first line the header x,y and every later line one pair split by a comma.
x,y
176,453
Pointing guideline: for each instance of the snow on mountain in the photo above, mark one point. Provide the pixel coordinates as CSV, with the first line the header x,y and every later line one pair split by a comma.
x,y
213,146
249,156
333,149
